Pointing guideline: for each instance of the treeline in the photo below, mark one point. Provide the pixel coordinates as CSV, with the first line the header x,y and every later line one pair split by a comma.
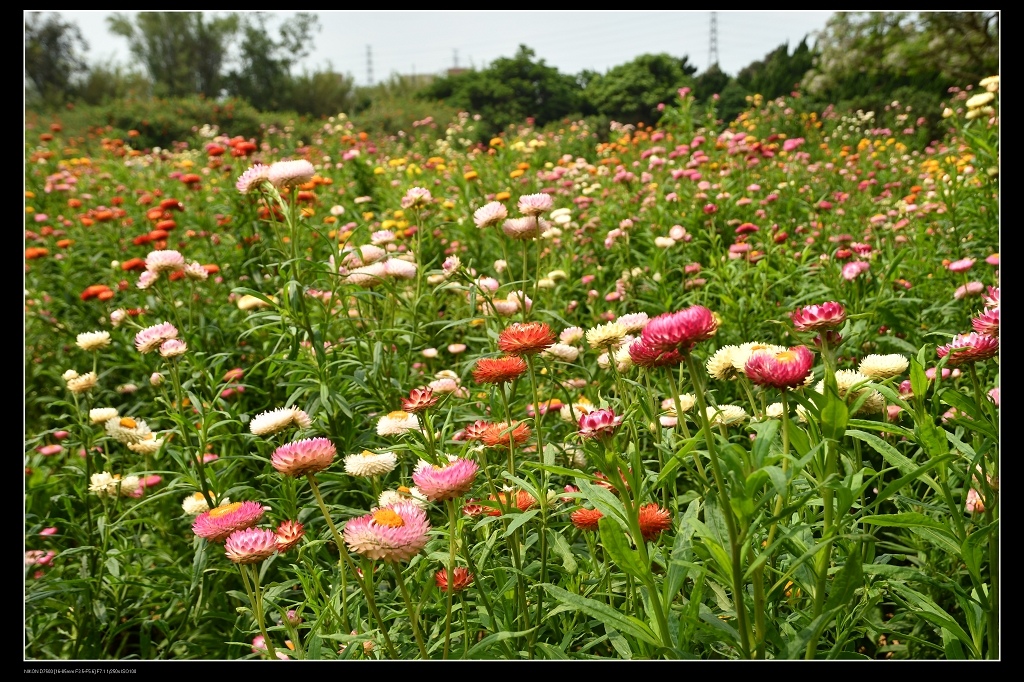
x,y
861,60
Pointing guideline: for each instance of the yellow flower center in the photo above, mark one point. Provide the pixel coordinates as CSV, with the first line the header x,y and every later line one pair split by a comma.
x,y
398,414
224,509
403,489
387,517
366,453
128,422
786,356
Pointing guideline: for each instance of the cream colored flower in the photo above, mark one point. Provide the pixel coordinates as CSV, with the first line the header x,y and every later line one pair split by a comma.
x,y
368,463
103,484
745,350
774,411
563,352
883,367
127,430
686,403
606,335
250,302
991,83
726,415
720,365
980,100
846,379
195,504
149,445
91,341
396,423
99,415
81,383
272,421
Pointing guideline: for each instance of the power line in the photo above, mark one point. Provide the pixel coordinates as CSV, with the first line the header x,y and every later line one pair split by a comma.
x,y
713,41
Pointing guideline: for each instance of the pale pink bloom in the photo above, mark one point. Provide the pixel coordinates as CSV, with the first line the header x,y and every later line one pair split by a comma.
x,y
456,348
52,530
165,261
250,545
521,229
853,269
535,204
288,173
961,265
172,348
993,259
368,275
147,279
196,272
445,482
151,338
396,532
38,557
252,178
969,289
987,322
303,457
992,298
399,268
994,395
416,197
973,503
48,450
490,214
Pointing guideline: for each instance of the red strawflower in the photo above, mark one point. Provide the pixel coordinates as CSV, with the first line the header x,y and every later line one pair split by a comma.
x,y
525,338
654,520
585,519
500,434
419,399
498,370
788,369
461,579
681,330
828,315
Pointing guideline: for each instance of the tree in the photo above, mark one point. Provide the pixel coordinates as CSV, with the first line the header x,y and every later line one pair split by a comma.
x,y
263,76
53,57
510,91
183,52
710,83
631,92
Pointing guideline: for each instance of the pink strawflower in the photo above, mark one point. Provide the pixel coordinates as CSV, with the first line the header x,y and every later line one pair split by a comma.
x,y
52,530
250,545
251,179
172,348
288,173
416,197
218,523
490,214
974,503
788,369
644,355
151,338
165,261
150,481
969,289
962,265
992,298
828,315
993,259
521,229
535,204
992,394
987,322
302,457
599,423
679,331
396,532
48,450
38,557
853,269
969,348
445,482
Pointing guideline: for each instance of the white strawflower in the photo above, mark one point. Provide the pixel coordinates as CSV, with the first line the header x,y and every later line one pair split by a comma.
x,y
686,403
399,268
726,415
720,365
130,486
272,421
90,341
196,272
562,352
149,445
774,411
127,430
606,335
368,463
82,382
99,415
883,367
396,423
250,302
69,374
633,322
103,484
195,504
573,412
846,379
571,336
623,360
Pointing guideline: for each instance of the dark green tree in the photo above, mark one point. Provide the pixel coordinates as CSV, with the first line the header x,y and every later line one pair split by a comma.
x,y
53,58
631,92
263,75
710,83
321,93
184,53
510,91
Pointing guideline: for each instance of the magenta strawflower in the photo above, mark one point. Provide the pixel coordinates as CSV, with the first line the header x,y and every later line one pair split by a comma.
x,y
250,545
151,338
828,315
220,522
445,482
788,369
302,457
599,423
681,330
962,265
643,355
967,348
987,322
396,532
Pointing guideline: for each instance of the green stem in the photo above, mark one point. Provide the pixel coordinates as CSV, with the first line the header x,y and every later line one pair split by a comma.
x,y
409,607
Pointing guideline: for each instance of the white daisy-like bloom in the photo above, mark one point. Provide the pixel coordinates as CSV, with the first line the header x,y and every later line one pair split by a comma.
x,y
604,361
82,382
272,421
288,173
250,302
149,445
883,367
196,272
577,456
664,242
117,317
69,374
100,415
90,341
165,261
606,335
103,484
846,379
558,275
686,403
501,306
726,415
545,283
396,423
633,322
399,268
444,385
403,494
195,504
252,178
745,350
368,463
390,497
562,352
571,335
773,411
127,430
720,365
382,237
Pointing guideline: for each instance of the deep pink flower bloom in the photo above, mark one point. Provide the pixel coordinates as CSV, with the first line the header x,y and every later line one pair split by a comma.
x,y
828,315
969,348
218,523
643,355
396,532
987,322
38,557
599,423
250,545
788,369
681,330
48,450
446,482
52,530
302,457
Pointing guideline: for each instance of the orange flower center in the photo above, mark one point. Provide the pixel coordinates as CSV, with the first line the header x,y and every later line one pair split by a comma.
x,y
224,509
128,423
786,356
398,414
388,517
403,489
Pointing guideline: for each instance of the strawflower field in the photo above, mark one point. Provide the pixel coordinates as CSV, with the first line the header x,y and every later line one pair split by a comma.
x,y
701,391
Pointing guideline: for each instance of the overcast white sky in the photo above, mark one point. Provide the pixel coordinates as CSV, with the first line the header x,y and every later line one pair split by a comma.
x,y
364,43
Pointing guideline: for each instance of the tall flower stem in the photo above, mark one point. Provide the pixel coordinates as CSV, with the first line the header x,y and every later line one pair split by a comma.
x,y
543,501
730,520
410,608
343,551
256,600
198,458
681,421
452,530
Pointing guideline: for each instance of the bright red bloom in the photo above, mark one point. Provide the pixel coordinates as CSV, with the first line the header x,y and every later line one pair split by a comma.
x,y
498,370
134,264
828,315
500,434
599,423
419,399
654,520
969,348
524,501
679,331
586,519
525,338
461,579
788,369
473,431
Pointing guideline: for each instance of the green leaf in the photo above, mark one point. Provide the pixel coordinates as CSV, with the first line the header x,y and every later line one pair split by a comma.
x,y
560,547
923,607
629,625
895,486
918,379
930,437
481,647
614,541
846,583
519,520
834,415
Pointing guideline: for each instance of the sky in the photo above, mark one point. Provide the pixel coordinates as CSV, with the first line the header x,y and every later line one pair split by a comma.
x,y
371,46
